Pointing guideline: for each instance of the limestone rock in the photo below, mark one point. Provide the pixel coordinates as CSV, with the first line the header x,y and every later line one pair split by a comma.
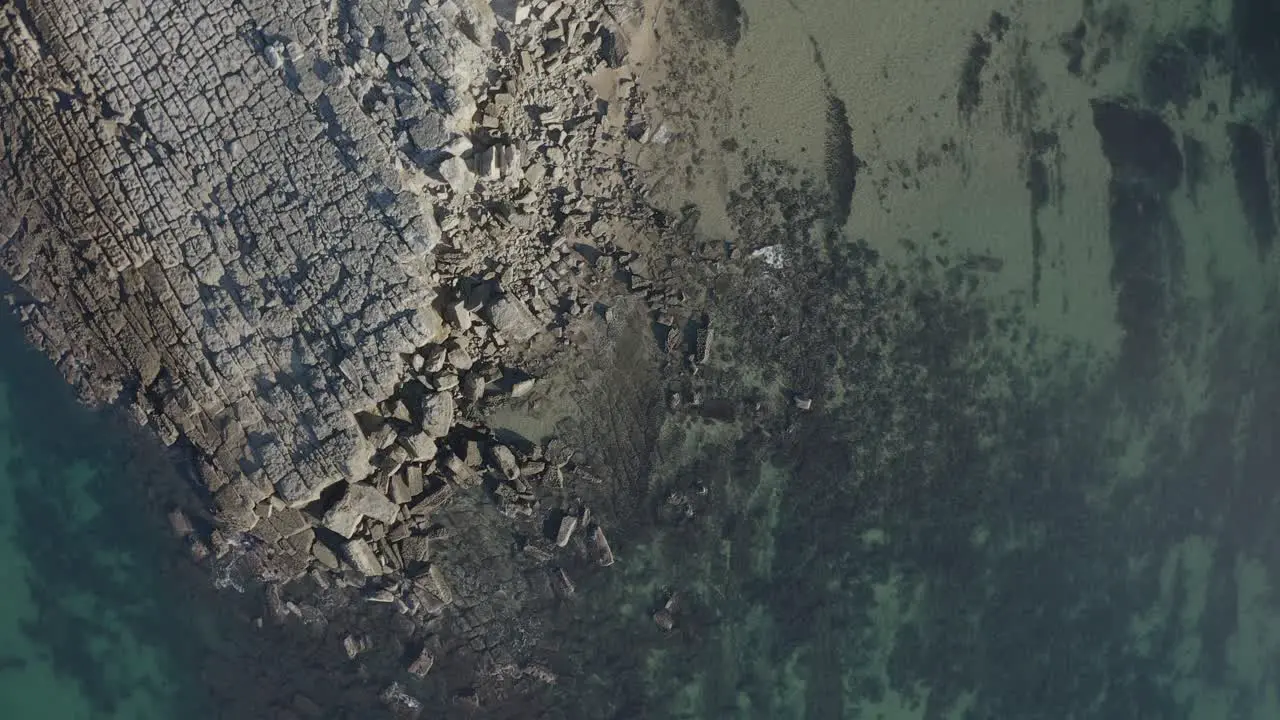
x,y
289,522
324,556
568,524
400,412
415,548
413,480
433,359
505,461
294,490
433,502
558,452
400,490
459,316
604,553
440,585
437,414
234,509
429,326
523,387
361,556
301,542
360,501
473,384
420,445
422,665
459,470
460,359
511,318
454,170
705,339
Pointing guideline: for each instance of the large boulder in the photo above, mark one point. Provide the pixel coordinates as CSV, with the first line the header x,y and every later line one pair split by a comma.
x,y
360,501
510,317
437,414
361,556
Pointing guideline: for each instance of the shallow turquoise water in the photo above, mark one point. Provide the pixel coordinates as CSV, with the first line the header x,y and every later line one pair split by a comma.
x,y
1038,480
93,618
103,616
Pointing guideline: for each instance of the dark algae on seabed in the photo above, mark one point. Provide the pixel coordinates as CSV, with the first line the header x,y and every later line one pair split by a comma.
x,y
1036,478
102,614
956,398
93,624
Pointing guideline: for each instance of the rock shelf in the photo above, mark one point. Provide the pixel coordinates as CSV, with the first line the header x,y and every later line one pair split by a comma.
x,y
309,245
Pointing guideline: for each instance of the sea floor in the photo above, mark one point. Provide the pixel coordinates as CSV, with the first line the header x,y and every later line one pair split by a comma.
x,y
102,614
92,622
1020,259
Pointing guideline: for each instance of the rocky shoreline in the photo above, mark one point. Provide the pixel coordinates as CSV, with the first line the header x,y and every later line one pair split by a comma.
x,y
312,253
540,359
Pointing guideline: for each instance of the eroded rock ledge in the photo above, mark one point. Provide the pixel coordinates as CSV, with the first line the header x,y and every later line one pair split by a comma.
x,y
305,242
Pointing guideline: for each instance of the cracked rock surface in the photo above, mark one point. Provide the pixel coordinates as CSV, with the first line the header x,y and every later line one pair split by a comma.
x,y
309,245
205,219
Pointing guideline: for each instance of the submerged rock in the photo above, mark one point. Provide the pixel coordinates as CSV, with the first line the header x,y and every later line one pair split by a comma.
x,y
604,553
422,664
400,701
437,414
568,524
662,618
355,645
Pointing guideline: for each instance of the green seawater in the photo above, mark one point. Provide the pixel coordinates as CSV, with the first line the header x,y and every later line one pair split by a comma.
x,y
1040,476
94,622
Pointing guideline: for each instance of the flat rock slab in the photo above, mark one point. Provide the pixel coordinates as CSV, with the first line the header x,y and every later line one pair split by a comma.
x,y
437,414
568,524
324,556
439,585
360,501
422,665
361,556
415,548
511,318
505,460
289,522
604,553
